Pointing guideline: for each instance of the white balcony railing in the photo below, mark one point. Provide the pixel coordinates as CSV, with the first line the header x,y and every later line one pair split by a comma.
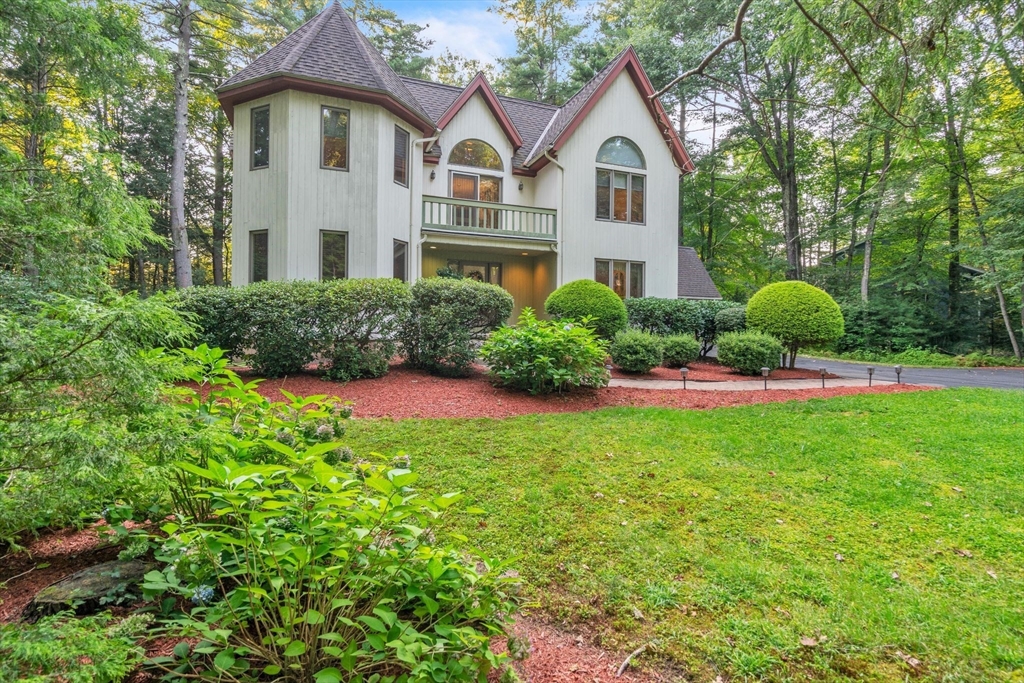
x,y
503,220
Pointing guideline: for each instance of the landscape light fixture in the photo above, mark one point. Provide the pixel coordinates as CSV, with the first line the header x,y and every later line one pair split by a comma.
x,y
433,174
764,373
871,371
684,372
823,373
898,369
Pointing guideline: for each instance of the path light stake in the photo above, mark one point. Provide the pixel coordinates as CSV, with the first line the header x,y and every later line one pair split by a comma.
x,y
764,373
823,373
871,371
683,372
898,369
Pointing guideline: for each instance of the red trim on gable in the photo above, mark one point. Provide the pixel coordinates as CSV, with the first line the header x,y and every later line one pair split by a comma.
x,y
480,84
231,98
629,62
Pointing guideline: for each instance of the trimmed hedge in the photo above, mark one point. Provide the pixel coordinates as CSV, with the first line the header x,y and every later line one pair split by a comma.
x,y
678,316
748,352
636,351
586,298
680,350
795,313
731,319
215,311
279,319
448,320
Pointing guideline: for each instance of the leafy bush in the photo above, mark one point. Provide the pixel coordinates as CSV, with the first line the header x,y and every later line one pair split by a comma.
x,y
748,352
314,567
588,299
678,316
92,649
279,319
449,318
795,313
680,350
215,312
542,356
732,319
357,325
636,351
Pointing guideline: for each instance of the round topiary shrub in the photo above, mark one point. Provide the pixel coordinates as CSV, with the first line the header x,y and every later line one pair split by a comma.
x,y
795,313
680,350
636,351
587,298
748,352
731,319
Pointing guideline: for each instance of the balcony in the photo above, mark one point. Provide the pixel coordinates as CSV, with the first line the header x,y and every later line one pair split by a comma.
x,y
486,218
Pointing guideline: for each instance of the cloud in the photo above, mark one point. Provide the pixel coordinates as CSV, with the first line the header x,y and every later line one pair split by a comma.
x,y
472,31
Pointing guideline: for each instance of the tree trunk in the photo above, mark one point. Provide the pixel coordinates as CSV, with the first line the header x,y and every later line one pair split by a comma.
x,y
790,203
219,135
869,234
857,204
179,232
953,210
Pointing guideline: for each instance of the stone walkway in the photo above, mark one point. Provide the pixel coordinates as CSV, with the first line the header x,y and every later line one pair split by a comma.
x,y
743,385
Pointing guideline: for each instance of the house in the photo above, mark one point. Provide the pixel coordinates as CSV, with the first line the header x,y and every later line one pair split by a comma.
x,y
345,169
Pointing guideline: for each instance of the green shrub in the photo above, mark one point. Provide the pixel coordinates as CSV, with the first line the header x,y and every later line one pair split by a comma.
x,y
588,299
216,315
748,352
279,319
357,325
733,319
448,319
636,351
678,316
680,350
63,648
795,313
314,566
542,356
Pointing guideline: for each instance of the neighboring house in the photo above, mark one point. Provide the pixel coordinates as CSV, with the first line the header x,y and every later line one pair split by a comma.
x,y
345,169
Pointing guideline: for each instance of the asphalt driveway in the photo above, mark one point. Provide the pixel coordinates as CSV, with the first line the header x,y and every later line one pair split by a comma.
x,y
994,378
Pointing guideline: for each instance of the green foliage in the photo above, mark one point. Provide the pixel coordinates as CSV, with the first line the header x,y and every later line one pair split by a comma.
x,y
449,319
732,319
216,312
924,358
279,319
588,299
94,649
542,356
306,565
636,351
795,313
450,273
680,350
748,352
678,316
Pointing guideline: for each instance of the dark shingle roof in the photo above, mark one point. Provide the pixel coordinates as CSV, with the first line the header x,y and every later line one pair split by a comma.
x,y
694,281
329,48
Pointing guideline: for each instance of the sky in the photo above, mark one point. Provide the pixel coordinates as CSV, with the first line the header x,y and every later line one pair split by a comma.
x,y
465,26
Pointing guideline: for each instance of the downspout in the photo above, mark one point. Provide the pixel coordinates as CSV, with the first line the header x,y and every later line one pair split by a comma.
x,y
560,279
416,258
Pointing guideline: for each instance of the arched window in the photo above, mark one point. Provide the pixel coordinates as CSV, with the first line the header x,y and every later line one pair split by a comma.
x,y
475,153
621,152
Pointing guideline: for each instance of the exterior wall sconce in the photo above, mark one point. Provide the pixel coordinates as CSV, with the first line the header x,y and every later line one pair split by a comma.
x,y
871,371
898,369
684,372
764,373
520,185
823,373
433,174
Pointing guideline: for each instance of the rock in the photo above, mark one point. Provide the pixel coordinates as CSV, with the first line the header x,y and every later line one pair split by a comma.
x,y
90,589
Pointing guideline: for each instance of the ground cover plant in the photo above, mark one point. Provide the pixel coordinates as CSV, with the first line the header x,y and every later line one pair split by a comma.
x,y
922,358
859,538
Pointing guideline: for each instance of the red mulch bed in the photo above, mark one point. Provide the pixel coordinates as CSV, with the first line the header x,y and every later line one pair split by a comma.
x,y
405,393
712,371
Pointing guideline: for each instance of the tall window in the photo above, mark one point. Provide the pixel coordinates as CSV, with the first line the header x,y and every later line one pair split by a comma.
x,y
333,255
620,193
258,256
626,278
401,157
401,263
259,123
334,131
475,153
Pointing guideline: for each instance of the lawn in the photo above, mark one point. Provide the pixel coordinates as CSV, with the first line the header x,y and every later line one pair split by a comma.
x,y
875,529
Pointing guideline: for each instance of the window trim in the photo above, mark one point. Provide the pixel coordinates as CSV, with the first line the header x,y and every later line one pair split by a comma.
x,y
348,139
252,137
320,249
625,170
252,261
408,139
629,273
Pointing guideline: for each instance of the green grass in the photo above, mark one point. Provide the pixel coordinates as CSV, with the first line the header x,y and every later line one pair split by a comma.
x,y
723,527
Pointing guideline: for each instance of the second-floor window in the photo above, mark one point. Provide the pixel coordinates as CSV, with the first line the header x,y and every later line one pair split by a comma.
x,y
620,193
259,123
401,156
334,133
